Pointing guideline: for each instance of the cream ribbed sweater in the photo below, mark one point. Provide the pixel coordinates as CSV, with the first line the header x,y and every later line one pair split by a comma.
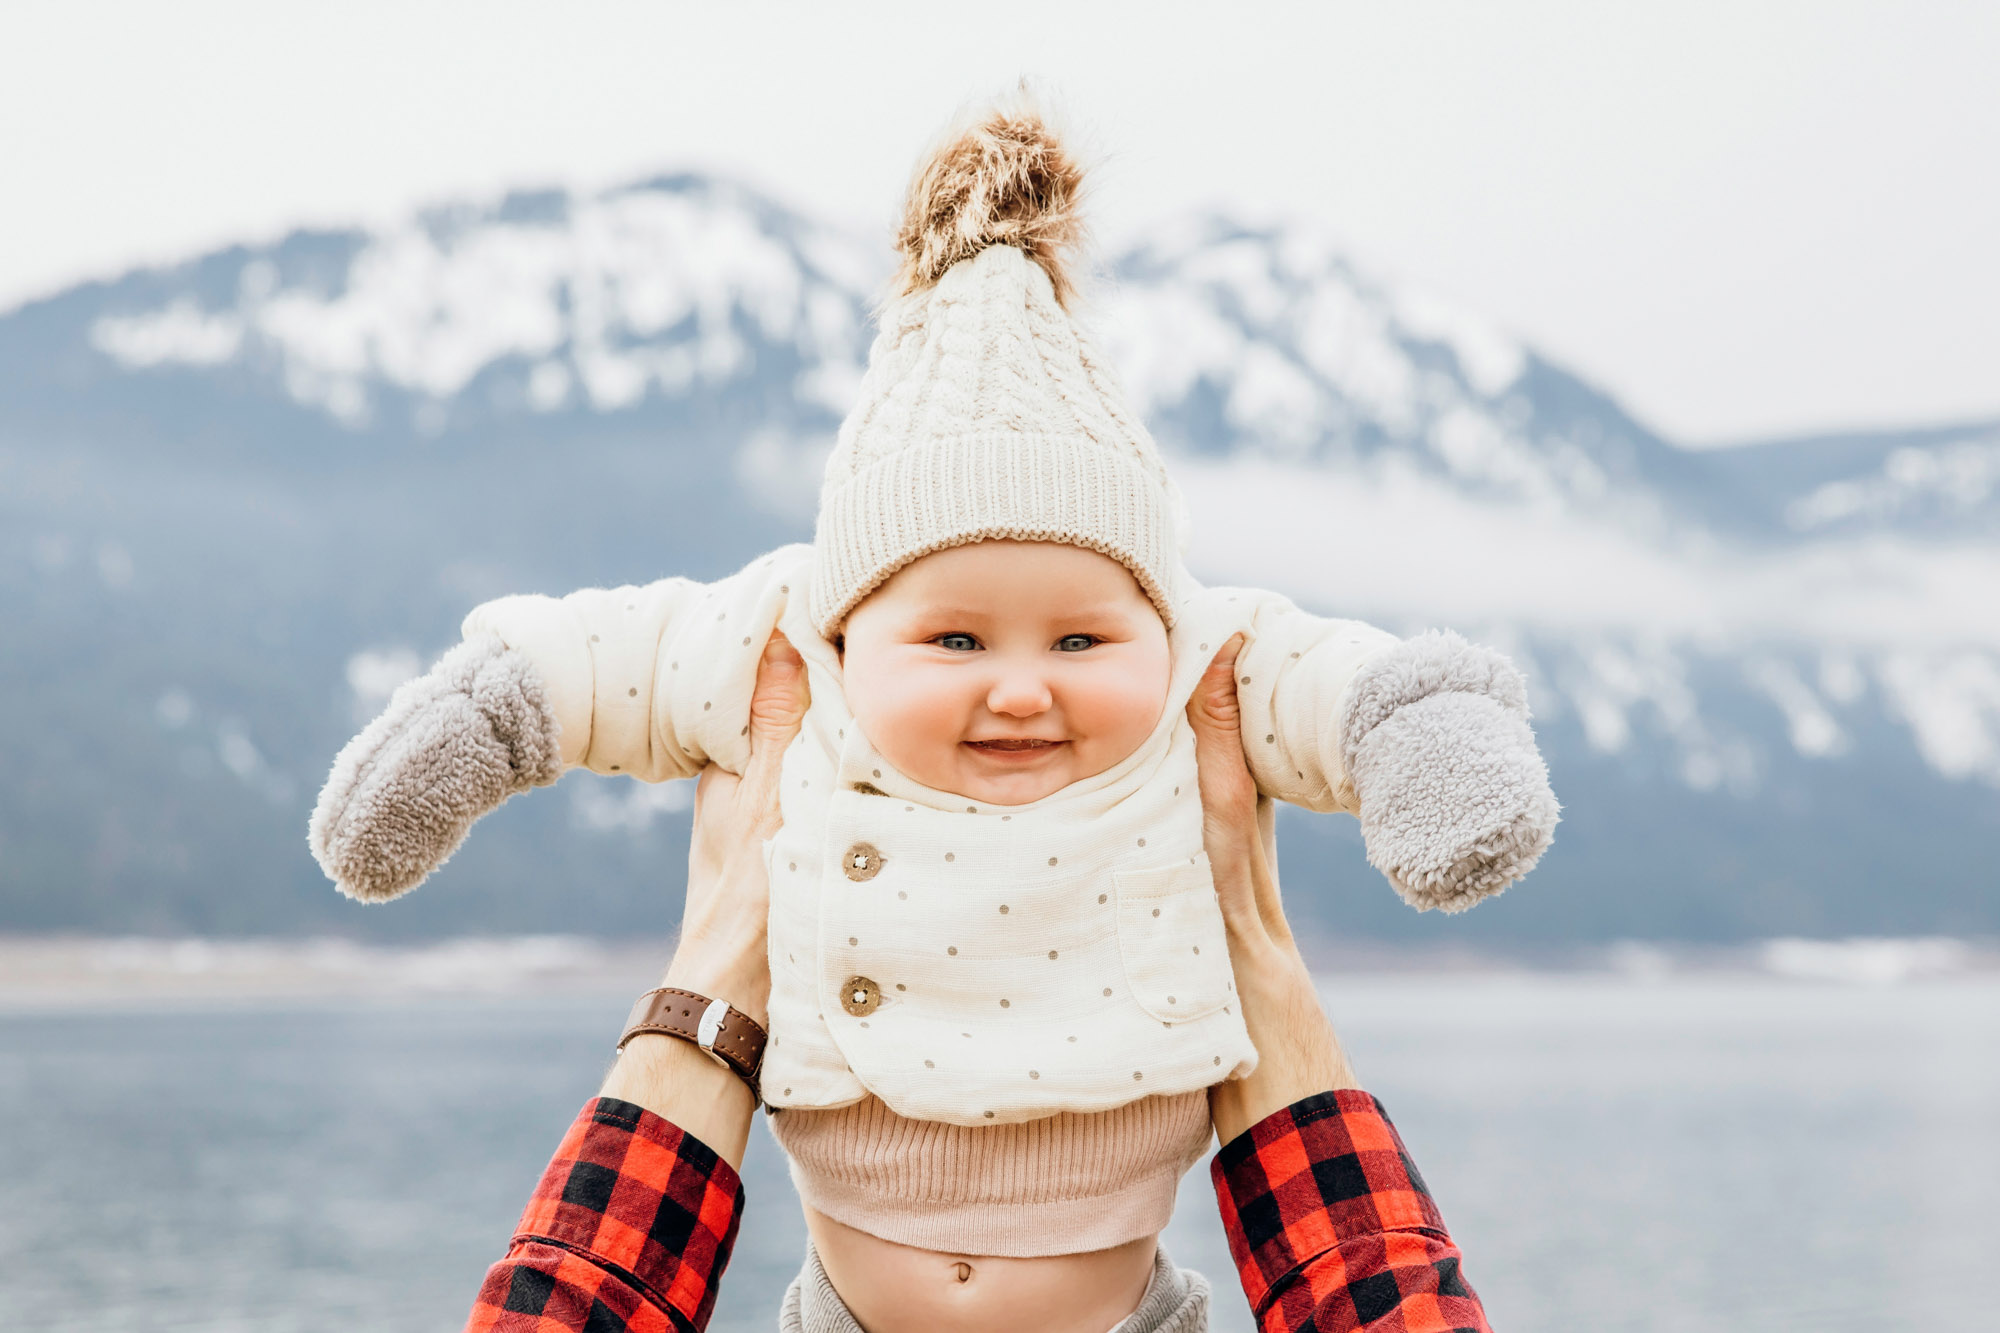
x,y
964,964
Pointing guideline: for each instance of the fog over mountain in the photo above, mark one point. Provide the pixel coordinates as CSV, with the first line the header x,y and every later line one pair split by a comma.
x,y
242,498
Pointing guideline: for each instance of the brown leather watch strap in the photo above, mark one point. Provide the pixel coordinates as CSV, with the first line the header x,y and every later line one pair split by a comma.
x,y
728,1034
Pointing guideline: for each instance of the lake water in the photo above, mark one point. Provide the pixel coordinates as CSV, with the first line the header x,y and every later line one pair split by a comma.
x,y
1712,1153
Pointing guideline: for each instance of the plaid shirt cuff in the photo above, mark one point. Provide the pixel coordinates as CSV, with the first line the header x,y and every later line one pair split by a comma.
x,y
628,1231
1332,1227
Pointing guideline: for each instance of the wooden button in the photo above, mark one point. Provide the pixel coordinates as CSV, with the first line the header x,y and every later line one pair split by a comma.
x,y
860,997
861,862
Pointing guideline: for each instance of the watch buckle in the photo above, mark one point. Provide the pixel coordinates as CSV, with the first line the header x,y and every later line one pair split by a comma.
x,y
710,1027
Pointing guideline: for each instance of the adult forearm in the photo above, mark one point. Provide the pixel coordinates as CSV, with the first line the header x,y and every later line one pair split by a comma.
x,y
675,1081
1330,1225
673,1078
1289,1069
1298,1053
1333,1229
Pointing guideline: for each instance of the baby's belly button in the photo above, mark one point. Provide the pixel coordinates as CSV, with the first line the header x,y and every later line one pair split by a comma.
x,y
904,1287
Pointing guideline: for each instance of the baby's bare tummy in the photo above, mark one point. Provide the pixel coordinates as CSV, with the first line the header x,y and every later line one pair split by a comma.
x,y
891,1288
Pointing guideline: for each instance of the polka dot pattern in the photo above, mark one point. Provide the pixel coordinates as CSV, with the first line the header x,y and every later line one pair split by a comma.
x,y
1055,891
1056,951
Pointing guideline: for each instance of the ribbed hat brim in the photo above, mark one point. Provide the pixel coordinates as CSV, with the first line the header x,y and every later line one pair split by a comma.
x,y
996,484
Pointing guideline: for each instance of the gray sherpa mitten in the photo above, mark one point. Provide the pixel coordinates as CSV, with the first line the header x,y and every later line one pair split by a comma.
x,y
1455,799
452,744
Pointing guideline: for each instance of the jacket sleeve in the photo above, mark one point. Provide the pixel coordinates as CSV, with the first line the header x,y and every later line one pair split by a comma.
x,y
1332,1228
628,1231
1292,676
1425,739
651,682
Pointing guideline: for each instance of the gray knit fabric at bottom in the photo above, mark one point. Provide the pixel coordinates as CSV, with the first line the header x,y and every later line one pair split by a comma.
x,y
1176,1301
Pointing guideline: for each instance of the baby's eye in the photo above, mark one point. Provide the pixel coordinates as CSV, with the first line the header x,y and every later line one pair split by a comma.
x,y
957,643
1076,643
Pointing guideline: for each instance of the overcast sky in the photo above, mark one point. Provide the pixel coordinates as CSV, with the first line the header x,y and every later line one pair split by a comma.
x,y
1744,218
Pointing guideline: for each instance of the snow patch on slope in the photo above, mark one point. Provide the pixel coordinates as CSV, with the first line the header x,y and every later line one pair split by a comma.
x,y
1951,701
1953,479
1491,359
1305,358
646,290
182,333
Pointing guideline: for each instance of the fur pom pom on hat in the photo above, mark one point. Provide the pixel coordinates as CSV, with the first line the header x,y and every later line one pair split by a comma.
x,y
987,412
1005,180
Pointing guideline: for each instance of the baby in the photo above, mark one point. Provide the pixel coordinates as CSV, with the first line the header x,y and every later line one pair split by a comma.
x,y
1000,983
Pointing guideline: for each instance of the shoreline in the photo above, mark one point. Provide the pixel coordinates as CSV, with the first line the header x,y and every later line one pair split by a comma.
x,y
77,971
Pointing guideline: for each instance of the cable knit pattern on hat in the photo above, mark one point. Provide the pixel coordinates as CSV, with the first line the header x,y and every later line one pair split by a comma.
x,y
986,413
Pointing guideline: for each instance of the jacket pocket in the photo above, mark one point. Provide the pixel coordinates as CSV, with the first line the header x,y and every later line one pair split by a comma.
x,y
1171,940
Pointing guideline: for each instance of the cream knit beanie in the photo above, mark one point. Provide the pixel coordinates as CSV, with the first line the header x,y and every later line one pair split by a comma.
x,y
986,412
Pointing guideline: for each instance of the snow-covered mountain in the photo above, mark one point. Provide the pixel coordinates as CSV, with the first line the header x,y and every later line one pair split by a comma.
x,y
252,492
661,291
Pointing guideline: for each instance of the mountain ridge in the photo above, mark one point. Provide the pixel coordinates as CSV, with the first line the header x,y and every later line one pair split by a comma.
x,y
239,500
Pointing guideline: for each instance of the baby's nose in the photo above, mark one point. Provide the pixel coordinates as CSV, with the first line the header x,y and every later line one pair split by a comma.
x,y
1018,695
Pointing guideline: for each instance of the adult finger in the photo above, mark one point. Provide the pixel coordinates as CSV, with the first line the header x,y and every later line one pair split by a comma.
x,y
777,708
1246,885
778,704
731,810
1228,792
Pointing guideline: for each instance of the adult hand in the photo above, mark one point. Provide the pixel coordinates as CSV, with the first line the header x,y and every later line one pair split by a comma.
x,y
721,952
1297,1052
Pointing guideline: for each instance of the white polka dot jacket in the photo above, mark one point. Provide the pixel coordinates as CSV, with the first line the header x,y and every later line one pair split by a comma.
x,y
965,964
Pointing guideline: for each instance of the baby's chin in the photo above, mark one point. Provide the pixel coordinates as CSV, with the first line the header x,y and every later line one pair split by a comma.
x,y
1014,789
988,780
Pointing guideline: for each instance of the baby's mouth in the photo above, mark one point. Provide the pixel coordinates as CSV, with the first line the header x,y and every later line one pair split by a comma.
x,y
1014,746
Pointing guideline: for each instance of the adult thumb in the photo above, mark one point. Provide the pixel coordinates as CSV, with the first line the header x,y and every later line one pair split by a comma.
x,y
778,703
1217,718
777,707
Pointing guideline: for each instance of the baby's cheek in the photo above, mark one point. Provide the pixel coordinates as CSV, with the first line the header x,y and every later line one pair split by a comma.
x,y
915,726
1118,713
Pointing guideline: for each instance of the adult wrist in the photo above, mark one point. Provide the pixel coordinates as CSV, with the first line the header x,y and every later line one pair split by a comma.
x,y
1298,1052
677,1081
719,1029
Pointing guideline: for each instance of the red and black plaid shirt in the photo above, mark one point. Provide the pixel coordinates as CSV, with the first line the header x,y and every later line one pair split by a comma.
x,y
1331,1226
1329,1222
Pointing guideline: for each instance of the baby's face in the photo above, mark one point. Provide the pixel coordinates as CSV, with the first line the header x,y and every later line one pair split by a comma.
x,y
1003,671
